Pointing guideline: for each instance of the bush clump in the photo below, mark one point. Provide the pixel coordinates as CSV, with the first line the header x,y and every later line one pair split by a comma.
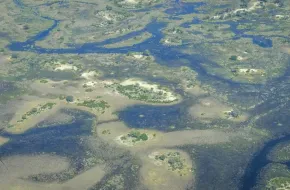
x,y
69,98
138,136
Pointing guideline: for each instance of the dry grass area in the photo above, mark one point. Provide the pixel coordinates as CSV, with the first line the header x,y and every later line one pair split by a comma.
x,y
185,170
286,49
208,109
4,63
169,139
159,177
4,59
85,180
17,125
152,176
22,166
149,171
195,90
3,140
65,88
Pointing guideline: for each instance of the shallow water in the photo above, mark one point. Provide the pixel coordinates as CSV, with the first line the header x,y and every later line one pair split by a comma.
x,y
153,117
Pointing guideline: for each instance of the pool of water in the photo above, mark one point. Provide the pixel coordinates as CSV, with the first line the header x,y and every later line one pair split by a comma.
x,y
153,117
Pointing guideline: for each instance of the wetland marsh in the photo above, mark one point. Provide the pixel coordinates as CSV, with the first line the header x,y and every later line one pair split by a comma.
x,y
151,94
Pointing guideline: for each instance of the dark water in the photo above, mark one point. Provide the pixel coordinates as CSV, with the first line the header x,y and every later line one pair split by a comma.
x,y
6,86
259,40
194,21
153,117
259,161
184,8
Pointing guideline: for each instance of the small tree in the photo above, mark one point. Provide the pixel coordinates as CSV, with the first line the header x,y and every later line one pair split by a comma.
x,y
109,8
69,98
233,57
25,27
14,56
162,157
143,137
134,134
34,110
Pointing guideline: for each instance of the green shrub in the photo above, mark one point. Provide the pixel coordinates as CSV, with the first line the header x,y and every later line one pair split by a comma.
x,y
95,104
233,57
14,56
69,98
109,8
123,138
25,27
162,157
89,90
34,110
143,137
43,81
134,134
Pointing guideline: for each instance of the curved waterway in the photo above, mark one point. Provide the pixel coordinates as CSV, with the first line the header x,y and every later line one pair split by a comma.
x,y
259,161
162,53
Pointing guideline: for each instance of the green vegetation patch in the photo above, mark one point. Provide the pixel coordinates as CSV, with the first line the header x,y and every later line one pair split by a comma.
x,y
281,153
135,136
37,110
278,183
174,160
146,93
135,3
106,132
99,105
